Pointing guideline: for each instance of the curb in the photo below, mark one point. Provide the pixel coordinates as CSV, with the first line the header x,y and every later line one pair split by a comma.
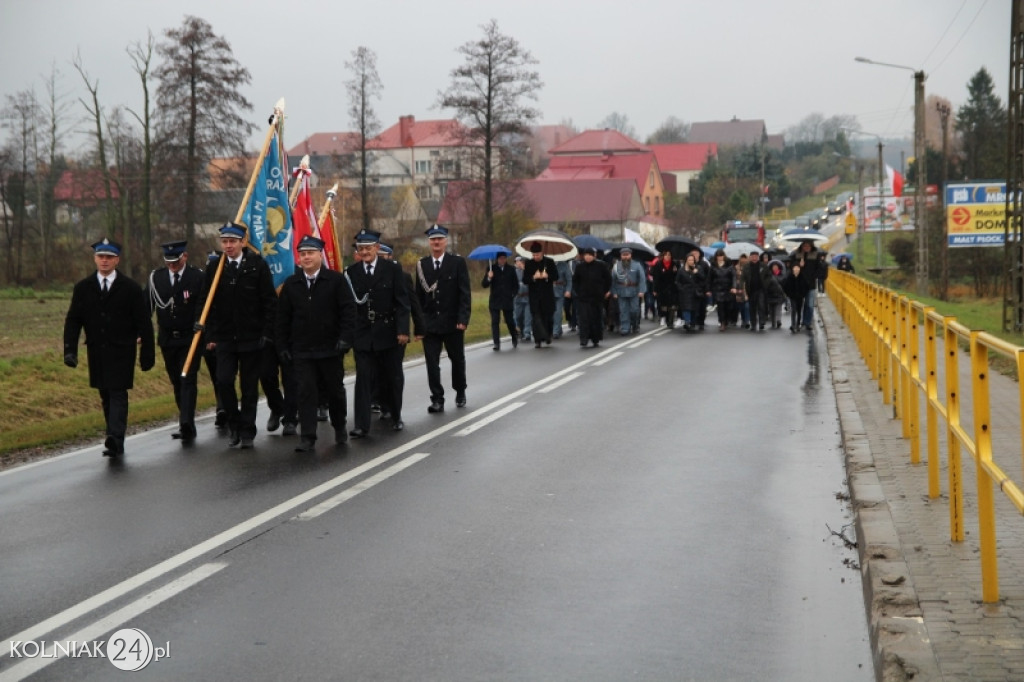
x,y
900,645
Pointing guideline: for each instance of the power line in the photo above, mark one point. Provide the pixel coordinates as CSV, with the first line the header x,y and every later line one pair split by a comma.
x,y
951,22
951,50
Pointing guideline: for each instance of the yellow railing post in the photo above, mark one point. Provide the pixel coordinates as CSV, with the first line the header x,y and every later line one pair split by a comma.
x,y
956,493
931,397
912,385
983,456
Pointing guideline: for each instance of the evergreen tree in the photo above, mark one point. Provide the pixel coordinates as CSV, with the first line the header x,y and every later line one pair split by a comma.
x,y
981,123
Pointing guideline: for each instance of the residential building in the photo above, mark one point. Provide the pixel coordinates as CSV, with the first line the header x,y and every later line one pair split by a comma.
x,y
682,162
731,133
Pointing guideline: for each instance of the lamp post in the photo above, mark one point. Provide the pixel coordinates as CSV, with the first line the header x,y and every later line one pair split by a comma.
x,y
881,200
921,264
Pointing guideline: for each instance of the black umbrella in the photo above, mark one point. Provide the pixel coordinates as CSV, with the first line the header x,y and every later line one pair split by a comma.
x,y
640,252
677,246
589,241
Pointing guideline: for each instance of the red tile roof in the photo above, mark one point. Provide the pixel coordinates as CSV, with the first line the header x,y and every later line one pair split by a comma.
x,y
635,166
326,144
550,201
599,142
683,156
83,187
409,132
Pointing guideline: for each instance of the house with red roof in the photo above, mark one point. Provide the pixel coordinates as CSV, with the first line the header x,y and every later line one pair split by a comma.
x,y
599,143
683,162
641,168
80,190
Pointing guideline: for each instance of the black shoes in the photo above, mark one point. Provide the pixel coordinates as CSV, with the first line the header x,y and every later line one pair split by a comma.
x,y
222,419
398,425
234,439
112,448
306,445
246,444
187,433
321,414
340,435
495,347
289,429
274,422
460,399
515,341
537,345
358,433
435,407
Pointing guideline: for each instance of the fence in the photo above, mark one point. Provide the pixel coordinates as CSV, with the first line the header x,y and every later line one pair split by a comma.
x,y
890,331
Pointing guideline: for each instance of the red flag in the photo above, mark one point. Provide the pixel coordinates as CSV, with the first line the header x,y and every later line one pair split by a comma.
x,y
327,234
304,220
894,180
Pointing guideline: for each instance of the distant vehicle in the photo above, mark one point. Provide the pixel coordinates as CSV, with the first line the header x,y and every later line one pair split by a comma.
x,y
738,231
835,208
803,222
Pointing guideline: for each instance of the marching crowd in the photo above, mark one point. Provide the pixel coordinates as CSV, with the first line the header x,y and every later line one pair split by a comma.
x,y
292,342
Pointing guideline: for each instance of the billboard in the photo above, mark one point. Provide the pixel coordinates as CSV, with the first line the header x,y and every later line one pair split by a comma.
x,y
976,213
883,213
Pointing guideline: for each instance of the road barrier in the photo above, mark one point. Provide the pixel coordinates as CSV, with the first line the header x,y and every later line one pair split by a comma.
x,y
887,328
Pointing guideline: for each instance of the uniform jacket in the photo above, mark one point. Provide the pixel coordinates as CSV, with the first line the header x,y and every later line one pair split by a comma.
x,y
382,305
175,320
503,287
311,320
591,282
627,282
444,295
113,323
244,305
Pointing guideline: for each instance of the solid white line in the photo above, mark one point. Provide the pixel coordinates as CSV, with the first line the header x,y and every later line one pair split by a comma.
x,y
490,418
120,617
363,485
560,382
609,358
639,343
238,530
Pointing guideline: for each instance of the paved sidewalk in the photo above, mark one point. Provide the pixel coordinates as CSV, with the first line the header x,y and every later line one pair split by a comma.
x,y
922,591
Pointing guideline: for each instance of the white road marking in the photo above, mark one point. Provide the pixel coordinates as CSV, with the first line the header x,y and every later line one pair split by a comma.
x,y
362,486
106,624
560,382
235,532
639,343
490,418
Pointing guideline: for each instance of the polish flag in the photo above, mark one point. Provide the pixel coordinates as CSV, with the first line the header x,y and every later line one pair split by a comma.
x,y
894,181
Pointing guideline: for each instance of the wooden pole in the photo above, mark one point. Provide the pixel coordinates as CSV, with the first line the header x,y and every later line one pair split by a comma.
x,y
275,119
327,209
303,165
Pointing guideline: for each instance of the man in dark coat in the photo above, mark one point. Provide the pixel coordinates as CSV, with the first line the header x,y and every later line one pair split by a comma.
x,y
540,274
111,308
240,324
382,390
316,319
806,256
501,279
442,287
173,292
382,330
591,287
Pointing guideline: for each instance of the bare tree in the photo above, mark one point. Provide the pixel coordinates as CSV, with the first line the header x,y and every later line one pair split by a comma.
x,y
142,57
620,122
487,92
363,88
198,115
54,113
672,130
92,107
21,118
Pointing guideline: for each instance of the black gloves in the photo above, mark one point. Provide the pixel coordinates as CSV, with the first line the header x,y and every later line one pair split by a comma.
x,y
71,360
198,327
342,346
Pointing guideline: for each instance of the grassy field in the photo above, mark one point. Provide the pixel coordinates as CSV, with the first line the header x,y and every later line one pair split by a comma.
x,y
44,404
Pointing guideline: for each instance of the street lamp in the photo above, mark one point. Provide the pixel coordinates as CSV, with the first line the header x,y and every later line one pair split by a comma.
x,y
921,266
881,201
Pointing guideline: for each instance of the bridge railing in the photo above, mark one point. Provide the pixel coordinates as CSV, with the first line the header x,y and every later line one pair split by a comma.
x,y
913,353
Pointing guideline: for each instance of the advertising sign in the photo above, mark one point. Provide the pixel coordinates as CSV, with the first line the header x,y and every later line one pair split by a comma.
x,y
885,212
976,213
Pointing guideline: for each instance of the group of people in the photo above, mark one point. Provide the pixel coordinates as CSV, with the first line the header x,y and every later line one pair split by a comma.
x,y
292,341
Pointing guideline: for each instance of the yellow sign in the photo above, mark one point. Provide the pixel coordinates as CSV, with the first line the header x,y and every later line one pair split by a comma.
x,y
851,223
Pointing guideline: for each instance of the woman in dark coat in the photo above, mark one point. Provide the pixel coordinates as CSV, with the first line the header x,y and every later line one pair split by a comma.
x,y
772,277
721,284
690,287
663,277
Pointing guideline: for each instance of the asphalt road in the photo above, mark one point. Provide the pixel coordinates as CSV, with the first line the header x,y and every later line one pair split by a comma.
x,y
656,509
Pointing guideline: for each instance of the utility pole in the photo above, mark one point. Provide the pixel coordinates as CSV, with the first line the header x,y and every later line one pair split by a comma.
x,y
881,206
944,112
920,187
1013,233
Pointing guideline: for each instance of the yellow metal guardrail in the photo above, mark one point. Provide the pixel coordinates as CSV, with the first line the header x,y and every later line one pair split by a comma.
x,y
888,330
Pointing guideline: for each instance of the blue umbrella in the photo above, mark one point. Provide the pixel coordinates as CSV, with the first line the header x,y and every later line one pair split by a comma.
x,y
589,241
836,257
489,252
709,252
718,245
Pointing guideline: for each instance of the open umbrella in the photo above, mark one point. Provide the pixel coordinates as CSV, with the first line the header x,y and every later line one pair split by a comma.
x,y
589,241
488,252
737,249
836,257
709,252
717,245
640,252
805,236
677,246
553,243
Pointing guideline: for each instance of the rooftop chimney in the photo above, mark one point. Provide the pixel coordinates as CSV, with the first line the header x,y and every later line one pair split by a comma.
x,y
405,124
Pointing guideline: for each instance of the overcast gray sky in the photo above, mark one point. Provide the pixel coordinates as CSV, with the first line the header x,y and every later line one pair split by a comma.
x,y
648,59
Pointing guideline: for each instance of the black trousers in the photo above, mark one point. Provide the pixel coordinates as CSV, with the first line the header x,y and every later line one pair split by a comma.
x,y
314,375
246,365
185,390
589,317
384,366
510,322
115,413
283,403
454,343
542,308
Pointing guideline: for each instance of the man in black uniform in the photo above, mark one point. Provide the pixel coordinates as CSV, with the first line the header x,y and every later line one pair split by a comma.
x,y
316,318
173,292
239,325
382,330
112,310
381,397
540,274
442,288
504,285
591,287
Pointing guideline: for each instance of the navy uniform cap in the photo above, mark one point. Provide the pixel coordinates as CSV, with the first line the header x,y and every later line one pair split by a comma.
x,y
213,256
310,243
386,249
437,231
233,230
173,251
107,246
367,237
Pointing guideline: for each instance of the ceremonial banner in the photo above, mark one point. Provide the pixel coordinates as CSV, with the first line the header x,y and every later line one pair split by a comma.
x,y
305,222
268,217
976,213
